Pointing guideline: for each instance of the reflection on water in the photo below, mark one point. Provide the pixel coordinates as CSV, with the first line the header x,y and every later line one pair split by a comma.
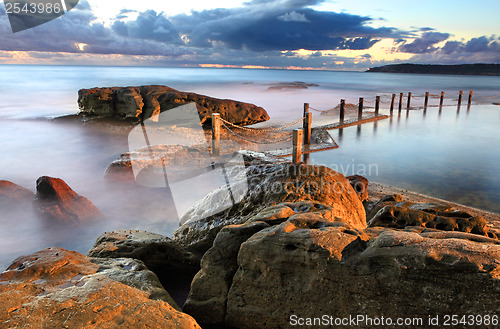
x,y
449,153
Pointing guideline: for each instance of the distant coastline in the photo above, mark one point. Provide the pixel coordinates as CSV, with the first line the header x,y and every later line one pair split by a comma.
x,y
464,69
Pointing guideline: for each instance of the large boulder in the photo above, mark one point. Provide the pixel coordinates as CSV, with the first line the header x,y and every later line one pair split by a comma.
x,y
174,266
55,200
141,103
305,268
207,298
56,288
268,185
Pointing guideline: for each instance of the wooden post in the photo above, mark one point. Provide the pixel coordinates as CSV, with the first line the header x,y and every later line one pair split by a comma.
x,y
470,98
360,108
392,102
307,128
297,145
426,101
441,101
216,134
342,110
306,109
409,100
400,101
460,96
377,105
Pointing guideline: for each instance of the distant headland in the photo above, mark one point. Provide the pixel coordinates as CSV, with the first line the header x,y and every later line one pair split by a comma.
x,y
464,69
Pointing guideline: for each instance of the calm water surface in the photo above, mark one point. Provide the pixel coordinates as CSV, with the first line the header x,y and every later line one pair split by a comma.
x,y
448,155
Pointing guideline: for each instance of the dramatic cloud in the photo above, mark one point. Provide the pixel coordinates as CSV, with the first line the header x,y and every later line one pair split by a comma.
x,y
259,26
270,33
425,43
78,32
279,25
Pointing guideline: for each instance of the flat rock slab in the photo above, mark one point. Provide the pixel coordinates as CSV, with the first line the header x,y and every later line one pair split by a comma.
x,y
56,288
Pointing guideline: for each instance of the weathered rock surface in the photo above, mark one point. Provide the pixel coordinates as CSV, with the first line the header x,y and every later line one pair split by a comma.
x,y
174,266
12,193
55,200
307,267
399,217
360,185
387,200
272,184
207,298
136,103
392,211
56,288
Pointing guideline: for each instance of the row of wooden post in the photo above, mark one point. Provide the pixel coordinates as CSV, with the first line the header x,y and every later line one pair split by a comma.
x,y
301,137
400,105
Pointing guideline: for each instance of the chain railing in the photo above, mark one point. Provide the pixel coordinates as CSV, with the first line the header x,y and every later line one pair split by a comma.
x,y
261,129
225,125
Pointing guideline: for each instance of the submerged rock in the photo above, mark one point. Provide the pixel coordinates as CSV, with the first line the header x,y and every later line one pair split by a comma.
x,y
12,193
140,103
174,266
55,200
56,288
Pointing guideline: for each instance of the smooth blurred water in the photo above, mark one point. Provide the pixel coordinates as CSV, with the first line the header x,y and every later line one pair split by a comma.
x,y
449,156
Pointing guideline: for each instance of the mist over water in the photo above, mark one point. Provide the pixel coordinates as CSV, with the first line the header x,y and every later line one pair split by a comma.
x,y
461,167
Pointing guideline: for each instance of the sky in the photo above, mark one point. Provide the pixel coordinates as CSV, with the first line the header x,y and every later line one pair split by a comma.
x,y
285,34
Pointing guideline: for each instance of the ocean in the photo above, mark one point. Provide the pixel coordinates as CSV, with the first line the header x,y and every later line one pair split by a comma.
x,y
451,154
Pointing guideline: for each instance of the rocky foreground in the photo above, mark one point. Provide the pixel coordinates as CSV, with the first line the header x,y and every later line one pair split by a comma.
x,y
304,243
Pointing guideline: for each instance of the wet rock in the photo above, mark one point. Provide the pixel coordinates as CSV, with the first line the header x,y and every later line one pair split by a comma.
x,y
174,266
56,288
283,86
360,185
388,200
128,103
269,185
433,208
140,103
11,193
181,161
55,200
97,102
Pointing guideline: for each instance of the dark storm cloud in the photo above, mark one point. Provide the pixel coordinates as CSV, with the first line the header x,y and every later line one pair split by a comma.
x,y
148,26
290,26
425,43
79,27
258,26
